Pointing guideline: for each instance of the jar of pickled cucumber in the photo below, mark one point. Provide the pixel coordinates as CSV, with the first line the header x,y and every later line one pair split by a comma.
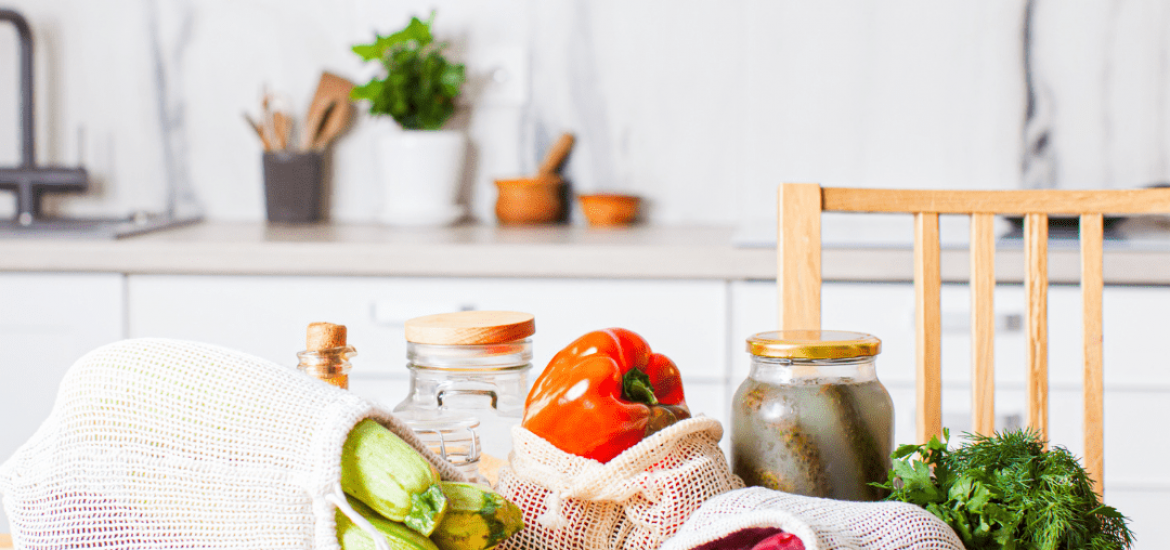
x,y
812,417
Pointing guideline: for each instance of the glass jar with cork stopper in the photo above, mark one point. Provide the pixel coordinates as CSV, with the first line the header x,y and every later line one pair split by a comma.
x,y
326,355
468,382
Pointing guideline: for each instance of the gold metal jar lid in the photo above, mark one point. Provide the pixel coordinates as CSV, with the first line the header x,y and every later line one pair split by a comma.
x,y
471,327
814,344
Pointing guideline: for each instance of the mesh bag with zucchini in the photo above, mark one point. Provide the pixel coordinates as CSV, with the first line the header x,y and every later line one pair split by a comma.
x,y
164,444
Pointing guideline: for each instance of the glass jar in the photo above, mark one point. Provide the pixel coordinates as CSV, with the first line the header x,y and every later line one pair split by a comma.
x,y
329,365
468,382
812,417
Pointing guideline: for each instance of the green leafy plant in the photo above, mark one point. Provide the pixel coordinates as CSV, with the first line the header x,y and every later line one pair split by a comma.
x,y
1007,492
420,85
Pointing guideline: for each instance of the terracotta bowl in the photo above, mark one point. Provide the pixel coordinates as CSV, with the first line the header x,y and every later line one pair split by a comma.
x,y
610,210
529,200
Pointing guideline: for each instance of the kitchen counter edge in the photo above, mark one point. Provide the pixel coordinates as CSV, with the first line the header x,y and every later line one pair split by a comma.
x,y
640,252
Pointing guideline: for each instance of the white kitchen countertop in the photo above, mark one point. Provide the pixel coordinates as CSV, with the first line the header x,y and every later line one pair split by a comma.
x,y
255,248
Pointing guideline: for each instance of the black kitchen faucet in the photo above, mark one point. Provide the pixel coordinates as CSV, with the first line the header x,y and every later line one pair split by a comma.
x,y
28,180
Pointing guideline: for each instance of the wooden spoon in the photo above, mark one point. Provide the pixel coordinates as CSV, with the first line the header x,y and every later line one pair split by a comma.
x,y
335,120
282,125
331,90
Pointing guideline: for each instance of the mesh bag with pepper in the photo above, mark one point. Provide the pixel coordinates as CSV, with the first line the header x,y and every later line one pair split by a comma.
x,y
608,456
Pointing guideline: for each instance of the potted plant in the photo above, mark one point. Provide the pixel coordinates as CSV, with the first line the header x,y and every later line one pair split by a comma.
x,y
422,164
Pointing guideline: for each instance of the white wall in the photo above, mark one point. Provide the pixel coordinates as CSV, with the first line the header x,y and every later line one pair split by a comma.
x,y
699,106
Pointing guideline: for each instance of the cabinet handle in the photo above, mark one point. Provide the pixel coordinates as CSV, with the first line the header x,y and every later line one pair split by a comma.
x,y
960,322
395,313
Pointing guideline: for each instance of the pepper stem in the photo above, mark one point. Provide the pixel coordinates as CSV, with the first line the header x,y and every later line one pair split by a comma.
x,y
636,387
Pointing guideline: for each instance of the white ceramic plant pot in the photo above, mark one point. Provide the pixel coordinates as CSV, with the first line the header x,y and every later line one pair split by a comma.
x,y
421,171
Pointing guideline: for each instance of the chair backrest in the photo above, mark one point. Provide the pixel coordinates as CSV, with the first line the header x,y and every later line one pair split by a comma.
x,y
799,284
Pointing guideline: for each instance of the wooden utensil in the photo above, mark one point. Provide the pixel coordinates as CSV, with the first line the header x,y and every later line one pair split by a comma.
x,y
331,91
266,123
282,127
335,120
259,131
556,155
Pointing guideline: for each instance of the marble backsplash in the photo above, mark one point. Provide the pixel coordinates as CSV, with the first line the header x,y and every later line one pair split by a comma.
x,y
701,107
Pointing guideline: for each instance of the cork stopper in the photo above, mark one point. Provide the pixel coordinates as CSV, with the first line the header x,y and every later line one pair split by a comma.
x,y
471,327
323,336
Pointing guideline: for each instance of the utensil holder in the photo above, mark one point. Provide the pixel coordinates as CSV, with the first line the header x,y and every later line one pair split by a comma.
x,y
293,186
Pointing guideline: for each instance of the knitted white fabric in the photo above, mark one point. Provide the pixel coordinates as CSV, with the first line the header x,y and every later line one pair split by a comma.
x,y
820,523
633,502
167,444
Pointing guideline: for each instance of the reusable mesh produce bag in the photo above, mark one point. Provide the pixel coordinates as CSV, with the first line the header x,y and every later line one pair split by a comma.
x,y
633,502
166,444
820,523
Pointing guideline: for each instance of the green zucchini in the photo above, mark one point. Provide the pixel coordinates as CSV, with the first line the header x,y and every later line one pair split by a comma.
x,y
381,470
352,537
477,518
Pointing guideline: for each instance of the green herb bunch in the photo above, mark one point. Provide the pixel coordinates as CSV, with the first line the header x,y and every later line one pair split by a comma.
x,y
420,85
1007,492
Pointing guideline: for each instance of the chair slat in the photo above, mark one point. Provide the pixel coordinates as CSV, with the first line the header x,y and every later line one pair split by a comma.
x,y
1036,324
1092,288
798,269
1120,201
927,287
983,323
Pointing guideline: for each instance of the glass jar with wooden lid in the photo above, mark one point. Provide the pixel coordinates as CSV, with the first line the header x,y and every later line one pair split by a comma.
x,y
812,417
468,381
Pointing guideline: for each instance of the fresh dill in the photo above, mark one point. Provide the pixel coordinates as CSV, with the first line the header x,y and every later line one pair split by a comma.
x,y
1007,492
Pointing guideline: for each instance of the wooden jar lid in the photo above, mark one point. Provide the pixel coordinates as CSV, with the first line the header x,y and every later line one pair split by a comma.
x,y
471,327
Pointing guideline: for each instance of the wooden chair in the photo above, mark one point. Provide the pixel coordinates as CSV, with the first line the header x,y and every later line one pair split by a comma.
x,y
799,284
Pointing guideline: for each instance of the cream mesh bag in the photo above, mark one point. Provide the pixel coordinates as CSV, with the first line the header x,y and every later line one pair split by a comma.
x,y
634,502
167,444
820,523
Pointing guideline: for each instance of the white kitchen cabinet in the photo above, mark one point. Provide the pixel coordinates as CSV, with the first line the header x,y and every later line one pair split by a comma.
x,y
48,321
1137,384
267,316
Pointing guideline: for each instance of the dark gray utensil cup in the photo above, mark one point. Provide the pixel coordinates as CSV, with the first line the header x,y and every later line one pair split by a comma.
x,y
293,186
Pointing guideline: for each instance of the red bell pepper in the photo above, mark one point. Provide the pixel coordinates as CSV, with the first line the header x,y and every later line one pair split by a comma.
x,y
603,394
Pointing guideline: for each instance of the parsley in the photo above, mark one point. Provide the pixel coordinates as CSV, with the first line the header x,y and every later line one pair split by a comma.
x,y
1007,492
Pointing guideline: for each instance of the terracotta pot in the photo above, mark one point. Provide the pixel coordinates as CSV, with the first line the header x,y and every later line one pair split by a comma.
x,y
529,200
610,210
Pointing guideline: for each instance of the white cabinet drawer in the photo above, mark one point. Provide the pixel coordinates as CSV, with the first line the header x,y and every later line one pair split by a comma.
x,y
1133,321
1135,325
47,322
267,316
